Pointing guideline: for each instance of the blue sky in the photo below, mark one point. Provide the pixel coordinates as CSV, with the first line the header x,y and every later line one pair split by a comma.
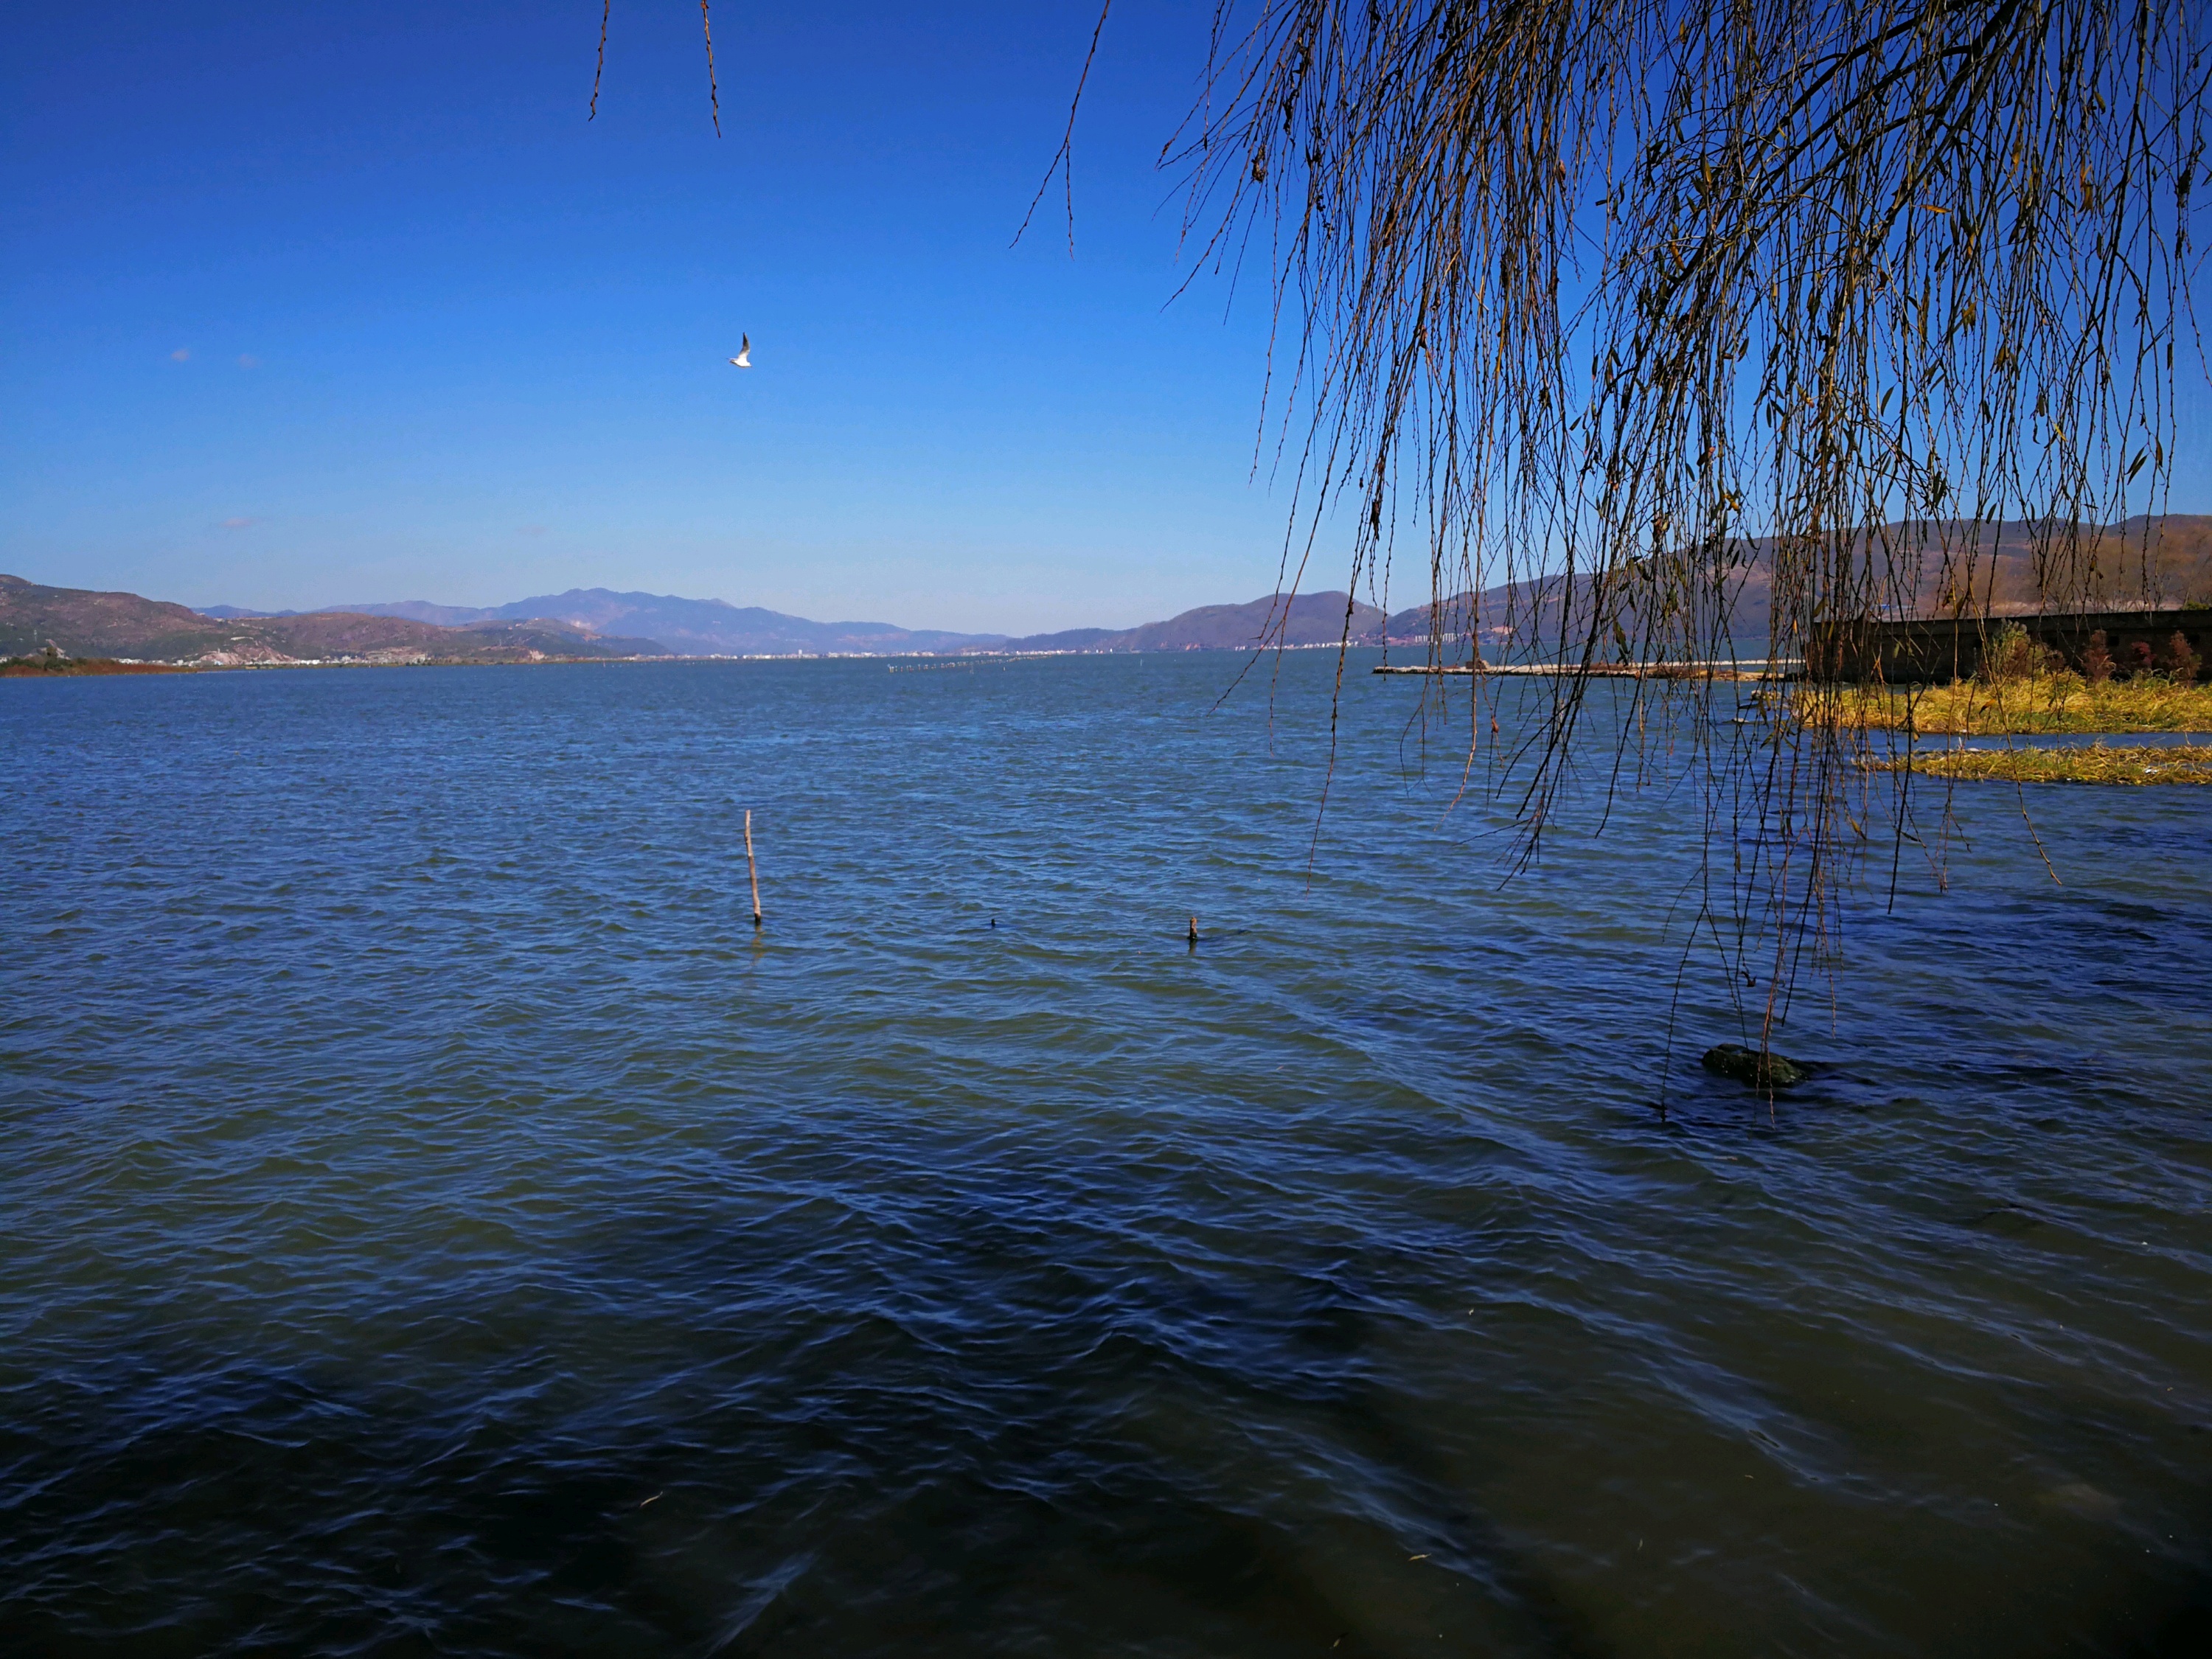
x,y
443,339
325,303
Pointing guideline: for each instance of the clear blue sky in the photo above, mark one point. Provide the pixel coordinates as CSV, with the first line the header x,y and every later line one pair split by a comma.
x,y
445,340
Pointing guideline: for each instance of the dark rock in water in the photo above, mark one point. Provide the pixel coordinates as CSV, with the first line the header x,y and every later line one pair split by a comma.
x,y
1749,1066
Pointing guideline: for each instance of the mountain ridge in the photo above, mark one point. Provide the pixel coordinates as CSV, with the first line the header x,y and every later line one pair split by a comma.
x,y
2143,557
682,627
85,622
2139,562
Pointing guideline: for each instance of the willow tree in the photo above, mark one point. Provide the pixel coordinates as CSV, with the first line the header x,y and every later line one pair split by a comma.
x,y
1614,311
1617,310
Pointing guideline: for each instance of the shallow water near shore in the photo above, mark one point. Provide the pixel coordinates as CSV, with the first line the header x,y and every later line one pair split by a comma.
x,y
434,1221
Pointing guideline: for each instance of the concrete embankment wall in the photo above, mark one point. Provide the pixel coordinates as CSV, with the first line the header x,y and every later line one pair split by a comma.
x,y
1940,650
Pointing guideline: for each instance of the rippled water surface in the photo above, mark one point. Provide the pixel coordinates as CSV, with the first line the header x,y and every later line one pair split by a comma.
x,y
432,1221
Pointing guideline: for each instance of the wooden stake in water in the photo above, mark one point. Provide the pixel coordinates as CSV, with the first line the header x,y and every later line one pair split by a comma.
x,y
752,870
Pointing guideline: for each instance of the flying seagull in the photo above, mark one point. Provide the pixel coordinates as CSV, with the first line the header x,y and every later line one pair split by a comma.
x,y
745,357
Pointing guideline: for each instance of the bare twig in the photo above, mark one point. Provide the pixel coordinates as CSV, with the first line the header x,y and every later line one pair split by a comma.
x,y
1063,158
714,97
1665,322
606,10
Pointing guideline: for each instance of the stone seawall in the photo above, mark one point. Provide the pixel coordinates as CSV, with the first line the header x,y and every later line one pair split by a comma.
x,y
1939,650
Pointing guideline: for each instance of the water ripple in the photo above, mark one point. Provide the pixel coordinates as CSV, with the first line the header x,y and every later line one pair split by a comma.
x,y
436,1221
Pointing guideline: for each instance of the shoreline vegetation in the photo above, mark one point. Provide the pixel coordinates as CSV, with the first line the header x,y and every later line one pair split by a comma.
x,y
2050,705
54,666
2026,689
48,665
2093,764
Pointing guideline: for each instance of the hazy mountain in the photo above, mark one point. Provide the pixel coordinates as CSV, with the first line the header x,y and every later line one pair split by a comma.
x,y
438,616
684,626
2166,560
717,628
1072,639
2143,562
701,627
1276,619
87,623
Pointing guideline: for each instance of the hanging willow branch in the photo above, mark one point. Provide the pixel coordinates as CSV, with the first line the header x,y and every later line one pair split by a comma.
x,y
714,95
600,67
706,32
1669,330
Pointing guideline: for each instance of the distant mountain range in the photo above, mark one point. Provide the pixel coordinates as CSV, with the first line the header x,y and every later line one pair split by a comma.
x,y
581,623
84,623
2168,559
715,627
682,628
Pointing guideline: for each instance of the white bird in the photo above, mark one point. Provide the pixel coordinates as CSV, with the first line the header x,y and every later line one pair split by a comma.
x,y
745,357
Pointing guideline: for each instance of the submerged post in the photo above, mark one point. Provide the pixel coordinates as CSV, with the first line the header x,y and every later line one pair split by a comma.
x,y
1194,930
752,870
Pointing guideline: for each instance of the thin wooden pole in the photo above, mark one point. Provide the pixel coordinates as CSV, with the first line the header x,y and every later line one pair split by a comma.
x,y
752,869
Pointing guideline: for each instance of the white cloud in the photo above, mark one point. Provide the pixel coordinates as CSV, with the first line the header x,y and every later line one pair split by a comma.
x,y
238,523
179,354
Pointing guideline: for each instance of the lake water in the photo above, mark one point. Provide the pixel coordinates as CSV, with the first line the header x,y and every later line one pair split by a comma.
x,y
432,1220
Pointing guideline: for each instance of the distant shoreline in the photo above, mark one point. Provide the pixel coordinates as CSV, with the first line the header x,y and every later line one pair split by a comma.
x,y
89,667
46,668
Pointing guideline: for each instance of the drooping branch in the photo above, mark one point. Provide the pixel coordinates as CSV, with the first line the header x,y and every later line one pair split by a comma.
x,y
1674,330
713,96
600,67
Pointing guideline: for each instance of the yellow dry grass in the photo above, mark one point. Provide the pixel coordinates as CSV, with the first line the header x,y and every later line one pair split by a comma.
x,y
2177,764
2044,702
